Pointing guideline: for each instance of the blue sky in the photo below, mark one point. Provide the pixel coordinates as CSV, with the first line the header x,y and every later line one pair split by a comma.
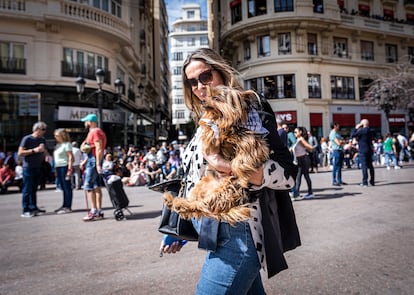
x,y
174,8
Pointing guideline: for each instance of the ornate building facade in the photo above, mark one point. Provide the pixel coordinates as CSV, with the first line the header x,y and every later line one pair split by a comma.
x,y
313,60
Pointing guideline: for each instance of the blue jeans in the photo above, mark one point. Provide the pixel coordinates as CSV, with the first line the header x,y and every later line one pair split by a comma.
x,y
31,178
66,186
337,162
234,267
390,156
366,163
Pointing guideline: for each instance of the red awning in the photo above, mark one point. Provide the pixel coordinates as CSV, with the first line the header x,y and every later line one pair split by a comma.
x,y
363,7
315,119
396,120
410,16
388,12
374,119
345,120
288,117
341,3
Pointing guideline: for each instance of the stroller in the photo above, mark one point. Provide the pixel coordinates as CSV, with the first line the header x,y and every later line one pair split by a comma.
x,y
117,195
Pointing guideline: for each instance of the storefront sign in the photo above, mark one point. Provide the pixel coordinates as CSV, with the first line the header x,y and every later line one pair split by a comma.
x,y
396,120
66,113
288,117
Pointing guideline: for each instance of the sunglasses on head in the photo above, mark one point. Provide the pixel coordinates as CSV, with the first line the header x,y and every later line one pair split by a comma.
x,y
204,78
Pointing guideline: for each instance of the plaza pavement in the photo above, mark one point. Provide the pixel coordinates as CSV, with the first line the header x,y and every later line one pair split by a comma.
x,y
355,240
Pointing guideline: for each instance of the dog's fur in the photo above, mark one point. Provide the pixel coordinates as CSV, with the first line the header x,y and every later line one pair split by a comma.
x,y
224,197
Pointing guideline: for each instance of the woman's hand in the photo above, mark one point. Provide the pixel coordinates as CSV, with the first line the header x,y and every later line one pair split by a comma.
x,y
218,163
171,245
257,178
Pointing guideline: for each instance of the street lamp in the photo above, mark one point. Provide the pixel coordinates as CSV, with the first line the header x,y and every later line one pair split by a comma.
x,y
100,77
386,102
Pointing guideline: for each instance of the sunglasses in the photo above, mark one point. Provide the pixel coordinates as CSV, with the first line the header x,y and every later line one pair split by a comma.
x,y
204,78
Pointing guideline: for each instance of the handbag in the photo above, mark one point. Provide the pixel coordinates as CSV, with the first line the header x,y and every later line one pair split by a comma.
x,y
171,223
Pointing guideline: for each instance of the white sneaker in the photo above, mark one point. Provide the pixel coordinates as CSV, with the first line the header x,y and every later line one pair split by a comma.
x,y
308,196
397,167
388,168
27,215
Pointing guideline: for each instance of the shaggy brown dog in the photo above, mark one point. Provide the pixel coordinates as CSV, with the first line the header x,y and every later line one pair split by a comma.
x,y
224,197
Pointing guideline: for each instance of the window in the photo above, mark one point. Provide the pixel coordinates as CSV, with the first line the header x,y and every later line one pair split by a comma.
x,y
115,8
314,86
131,89
177,56
12,58
247,52
391,54
340,47
318,6
284,44
342,87
364,84
81,63
411,54
274,87
263,44
236,11
190,14
177,70
312,44
256,7
203,41
367,50
191,42
180,114
283,5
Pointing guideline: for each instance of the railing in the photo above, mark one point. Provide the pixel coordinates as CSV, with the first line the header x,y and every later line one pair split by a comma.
x,y
82,70
13,5
377,24
13,65
85,13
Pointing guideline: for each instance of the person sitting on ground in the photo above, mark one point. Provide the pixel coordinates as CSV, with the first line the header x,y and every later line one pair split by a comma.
x,y
154,173
138,174
6,178
169,171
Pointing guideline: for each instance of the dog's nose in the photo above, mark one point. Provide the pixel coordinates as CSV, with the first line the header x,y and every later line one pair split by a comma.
x,y
203,102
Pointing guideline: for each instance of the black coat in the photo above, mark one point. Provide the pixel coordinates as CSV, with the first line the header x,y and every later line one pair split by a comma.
x,y
278,217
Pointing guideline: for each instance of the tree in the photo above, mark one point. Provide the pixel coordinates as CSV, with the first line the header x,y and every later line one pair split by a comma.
x,y
393,89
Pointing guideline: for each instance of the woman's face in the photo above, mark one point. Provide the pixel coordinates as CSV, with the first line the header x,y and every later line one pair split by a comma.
x,y
209,77
297,133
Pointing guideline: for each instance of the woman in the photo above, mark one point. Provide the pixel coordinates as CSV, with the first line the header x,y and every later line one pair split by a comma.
x,y
301,149
63,159
233,263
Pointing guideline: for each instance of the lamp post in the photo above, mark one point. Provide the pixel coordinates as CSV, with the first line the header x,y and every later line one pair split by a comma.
x,y
386,102
100,77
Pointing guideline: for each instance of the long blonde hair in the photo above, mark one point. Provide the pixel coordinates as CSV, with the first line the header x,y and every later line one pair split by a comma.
x,y
219,64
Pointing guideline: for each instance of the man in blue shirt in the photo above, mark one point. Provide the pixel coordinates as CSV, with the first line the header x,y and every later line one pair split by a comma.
x,y
365,151
337,143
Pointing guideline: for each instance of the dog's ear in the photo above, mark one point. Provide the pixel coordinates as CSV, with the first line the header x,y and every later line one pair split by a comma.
x,y
209,91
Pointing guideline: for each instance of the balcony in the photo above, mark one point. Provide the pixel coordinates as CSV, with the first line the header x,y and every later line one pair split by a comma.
x,y
12,65
409,4
64,12
389,2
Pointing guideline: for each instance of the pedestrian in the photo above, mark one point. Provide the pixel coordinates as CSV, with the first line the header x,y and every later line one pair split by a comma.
x,y
31,148
404,154
324,152
336,141
303,151
314,153
63,158
96,141
6,177
390,152
77,173
233,262
365,151
281,130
